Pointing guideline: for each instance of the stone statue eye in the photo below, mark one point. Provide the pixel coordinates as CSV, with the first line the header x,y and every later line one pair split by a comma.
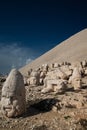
x,y
4,96
12,98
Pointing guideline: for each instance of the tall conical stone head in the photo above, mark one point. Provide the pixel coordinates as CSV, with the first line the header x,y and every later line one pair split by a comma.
x,y
13,95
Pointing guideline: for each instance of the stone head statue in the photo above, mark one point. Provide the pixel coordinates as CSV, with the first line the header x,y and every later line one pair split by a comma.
x,y
13,95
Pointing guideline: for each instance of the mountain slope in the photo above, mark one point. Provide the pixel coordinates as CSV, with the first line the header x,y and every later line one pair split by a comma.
x,y
72,49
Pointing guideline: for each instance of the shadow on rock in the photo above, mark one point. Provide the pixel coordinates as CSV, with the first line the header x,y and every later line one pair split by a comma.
x,y
40,107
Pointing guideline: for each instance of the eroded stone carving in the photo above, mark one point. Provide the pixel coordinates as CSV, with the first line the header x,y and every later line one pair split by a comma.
x,y
55,85
34,78
75,79
13,95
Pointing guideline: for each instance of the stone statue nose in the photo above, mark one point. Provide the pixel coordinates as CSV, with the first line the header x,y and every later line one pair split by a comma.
x,y
9,101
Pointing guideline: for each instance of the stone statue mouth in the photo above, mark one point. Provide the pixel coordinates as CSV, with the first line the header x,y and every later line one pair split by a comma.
x,y
7,108
8,111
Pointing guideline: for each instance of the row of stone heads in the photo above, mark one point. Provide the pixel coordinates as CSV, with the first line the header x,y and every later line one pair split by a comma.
x,y
54,71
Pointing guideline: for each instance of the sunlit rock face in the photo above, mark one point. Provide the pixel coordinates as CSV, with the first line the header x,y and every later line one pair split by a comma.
x,y
13,95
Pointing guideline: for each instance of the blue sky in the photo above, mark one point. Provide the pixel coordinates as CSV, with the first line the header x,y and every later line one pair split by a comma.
x,y
29,28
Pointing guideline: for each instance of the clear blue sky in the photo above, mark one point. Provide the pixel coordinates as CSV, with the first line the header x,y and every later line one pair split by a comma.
x,y
29,28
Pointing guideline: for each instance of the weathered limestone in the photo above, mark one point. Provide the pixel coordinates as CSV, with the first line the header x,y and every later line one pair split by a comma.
x,y
77,65
32,81
75,79
25,80
55,85
42,76
13,95
51,75
66,70
85,72
45,67
29,72
60,73
56,65
84,63
51,65
34,78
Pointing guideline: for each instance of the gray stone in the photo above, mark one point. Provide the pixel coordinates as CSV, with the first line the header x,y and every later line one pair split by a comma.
x,y
13,95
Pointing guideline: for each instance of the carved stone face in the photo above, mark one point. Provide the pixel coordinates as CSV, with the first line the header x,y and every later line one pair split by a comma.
x,y
77,84
33,81
13,95
12,106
